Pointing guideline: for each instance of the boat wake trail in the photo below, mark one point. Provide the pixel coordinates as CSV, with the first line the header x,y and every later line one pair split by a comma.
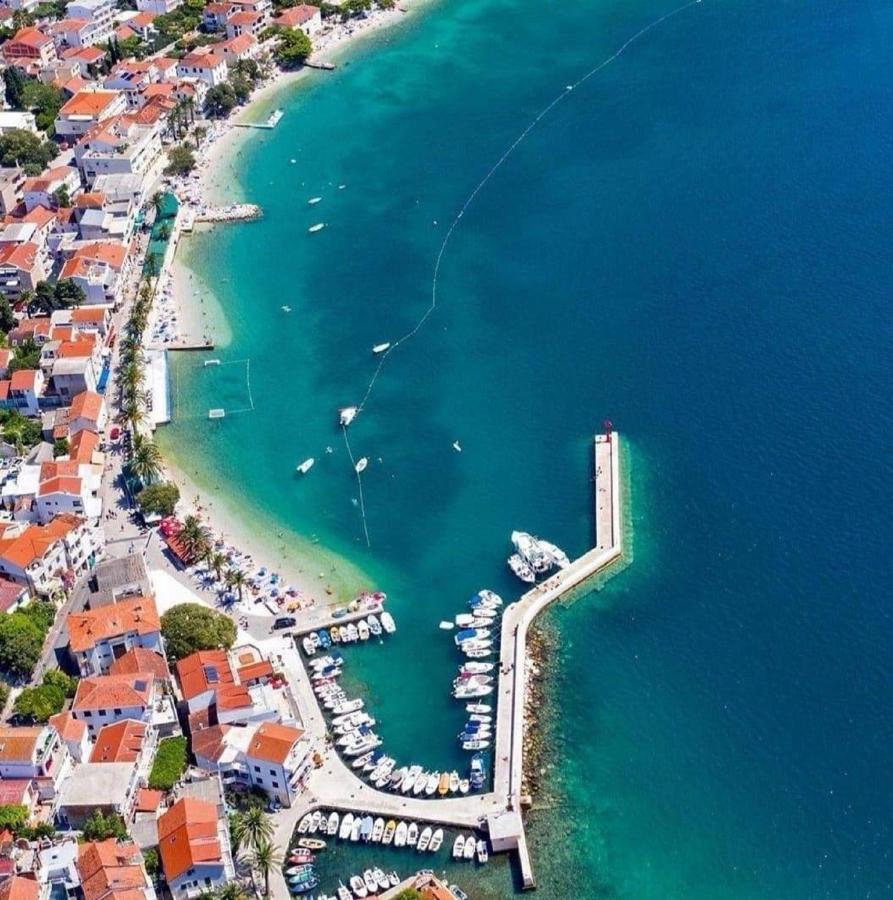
x,y
563,95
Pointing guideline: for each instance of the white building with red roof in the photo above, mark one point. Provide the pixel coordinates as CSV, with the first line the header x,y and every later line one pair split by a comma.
x,y
245,46
22,267
203,64
87,109
100,12
33,751
113,870
73,733
303,17
31,49
41,190
87,411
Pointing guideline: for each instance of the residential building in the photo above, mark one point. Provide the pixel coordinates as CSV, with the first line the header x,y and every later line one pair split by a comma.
x,y
34,752
30,49
126,741
43,189
26,387
21,268
214,15
17,121
108,787
244,22
11,183
141,659
72,376
100,12
73,733
98,637
193,844
18,887
86,109
158,7
98,268
104,699
114,580
110,870
245,46
12,596
204,65
68,487
56,868
71,32
304,17
87,412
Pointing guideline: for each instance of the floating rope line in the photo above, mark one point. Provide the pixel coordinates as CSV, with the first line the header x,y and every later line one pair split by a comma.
x,y
359,484
219,412
478,188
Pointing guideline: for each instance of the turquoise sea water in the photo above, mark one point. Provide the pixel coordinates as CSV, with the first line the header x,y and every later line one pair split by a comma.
x,y
696,244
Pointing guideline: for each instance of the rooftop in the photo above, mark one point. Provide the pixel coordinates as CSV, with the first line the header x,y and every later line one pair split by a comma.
x,y
88,628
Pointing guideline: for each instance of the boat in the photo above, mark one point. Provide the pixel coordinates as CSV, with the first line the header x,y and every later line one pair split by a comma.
x,y
313,201
464,785
400,834
300,867
467,692
342,633
370,882
381,879
443,785
431,783
346,826
363,630
389,829
521,568
477,772
483,855
347,706
459,846
387,622
358,887
393,879
312,843
479,653
457,446
445,626
378,830
424,839
306,466
353,633
332,825
374,624
355,829
412,834
490,597
309,646
464,620
346,415
476,644
557,555
477,668
470,847
436,841
317,227
454,782
362,462
420,784
532,551
343,892
480,717
470,634
409,780
366,827
285,309
380,348
397,777
304,886
305,823
475,744
211,362
335,634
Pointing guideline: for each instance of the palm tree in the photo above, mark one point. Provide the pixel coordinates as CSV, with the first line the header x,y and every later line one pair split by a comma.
x,y
235,578
265,858
216,562
132,416
252,828
193,537
145,463
231,891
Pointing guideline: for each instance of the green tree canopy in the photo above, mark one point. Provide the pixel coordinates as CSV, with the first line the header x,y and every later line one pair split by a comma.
x,y
37,704
180,160
188,627
45,100
220,100
99,827
292,48
159,499
25,149
21,641
169,765
7,319
13,817
14,85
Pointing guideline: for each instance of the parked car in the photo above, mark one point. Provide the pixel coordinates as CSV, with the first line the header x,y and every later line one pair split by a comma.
x,y
284,622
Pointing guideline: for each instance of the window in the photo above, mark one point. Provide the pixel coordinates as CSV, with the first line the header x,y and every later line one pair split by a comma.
x,y
275,784
117,712
257,768
272,771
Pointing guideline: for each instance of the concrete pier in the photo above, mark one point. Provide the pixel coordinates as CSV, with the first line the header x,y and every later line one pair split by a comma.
x,y
335,785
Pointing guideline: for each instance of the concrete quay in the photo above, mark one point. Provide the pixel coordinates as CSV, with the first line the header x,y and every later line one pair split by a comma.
x,y
334,785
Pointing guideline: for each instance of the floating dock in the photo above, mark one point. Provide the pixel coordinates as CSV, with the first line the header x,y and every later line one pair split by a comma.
x,y
498,813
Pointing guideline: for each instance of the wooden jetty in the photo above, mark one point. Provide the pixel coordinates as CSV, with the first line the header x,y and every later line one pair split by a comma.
x,y
499,812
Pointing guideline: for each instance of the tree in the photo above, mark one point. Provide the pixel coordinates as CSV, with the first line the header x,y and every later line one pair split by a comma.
x,y
26,356
25,149
180,160
13,816
235,578
146,463
68,294
159,499
7,319
58,678
220,100
194,538
188,627
409,894
151,861
241,87
169,765
39,703
100,827
231,891
292,49
250,829
14,84
21,641
45,100
265,858
47,298
216,562
62,198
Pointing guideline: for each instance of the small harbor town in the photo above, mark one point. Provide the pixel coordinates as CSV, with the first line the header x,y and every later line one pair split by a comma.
x,y
174,721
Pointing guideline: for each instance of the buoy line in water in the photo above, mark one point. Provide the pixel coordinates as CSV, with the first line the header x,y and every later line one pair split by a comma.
x,y
568,89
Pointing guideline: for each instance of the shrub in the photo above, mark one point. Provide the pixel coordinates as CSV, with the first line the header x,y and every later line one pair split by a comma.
x,y
159,498
189,627
99,827
169,765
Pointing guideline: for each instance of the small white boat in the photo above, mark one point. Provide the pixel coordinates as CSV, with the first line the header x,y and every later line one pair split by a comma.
x,y
459,846
347,414
306,466
374,624
363,630
313,201
436,841
464,785
361,464
431,783
387,622
343,892
381,879
445,626
412,834
454,782
211,362
521,568
388,837
332,824
305,823
400,834
346,826
470,847
478,707
464,620
424,839
483,855
356,829
457,446
358,887
317,821
378,831
380,348
475,745
317,227
370,882
285,309
477,668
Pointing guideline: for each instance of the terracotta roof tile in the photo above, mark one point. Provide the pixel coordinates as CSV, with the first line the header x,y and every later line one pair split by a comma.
x,y
187,836
138,614
273,742
140,659
113,692
120,742
111,871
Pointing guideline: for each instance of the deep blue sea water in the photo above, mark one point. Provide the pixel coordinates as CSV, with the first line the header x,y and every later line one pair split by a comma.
x,y
696,244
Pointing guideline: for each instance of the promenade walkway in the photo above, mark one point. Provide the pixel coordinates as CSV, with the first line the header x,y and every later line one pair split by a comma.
x,y
335,785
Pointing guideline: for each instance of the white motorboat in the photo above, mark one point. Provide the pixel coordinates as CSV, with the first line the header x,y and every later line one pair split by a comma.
x,y
361,464
420,784
346,826
459,846
557,555
380,348
457,446
470,691
358,887
356,829
483,855
454,782
470,847
316,821
381,879
317,227
388,837
332,824
464,785
431,783
400,834
477,668
305,823
285,309
445,626
347,706
424,839
464,620
436,841
532,551
483,718
313,201
476,744
408,782
363,630
521,568
478,707
393,879
479,653
412,834
343,892
490,597
346,415
353,633
306,466
374,625
387,622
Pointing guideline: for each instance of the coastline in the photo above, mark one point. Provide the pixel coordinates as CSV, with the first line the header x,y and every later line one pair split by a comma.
x,y
317,573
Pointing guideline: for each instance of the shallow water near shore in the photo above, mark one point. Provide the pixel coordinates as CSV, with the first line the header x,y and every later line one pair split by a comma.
x,y
694,244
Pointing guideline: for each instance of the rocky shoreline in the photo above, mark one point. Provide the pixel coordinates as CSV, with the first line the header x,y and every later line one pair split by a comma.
x,y
542,645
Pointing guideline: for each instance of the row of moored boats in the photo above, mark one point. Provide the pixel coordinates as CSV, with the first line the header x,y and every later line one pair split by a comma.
x,y
372,626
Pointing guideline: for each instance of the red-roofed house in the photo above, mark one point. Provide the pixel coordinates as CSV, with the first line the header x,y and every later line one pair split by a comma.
x,y
245,46
214,15
98,637
244,22
26,387
141,659
19,887
21,268
68,487
157,7
87,109
73,734
12,596
304,17
31,49
105,699
87,412
41,190
193,843
33,751
110,870
98,268
205,65
125,741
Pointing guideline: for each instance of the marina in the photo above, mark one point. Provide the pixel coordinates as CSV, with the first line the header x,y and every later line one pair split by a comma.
x,y
335,786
